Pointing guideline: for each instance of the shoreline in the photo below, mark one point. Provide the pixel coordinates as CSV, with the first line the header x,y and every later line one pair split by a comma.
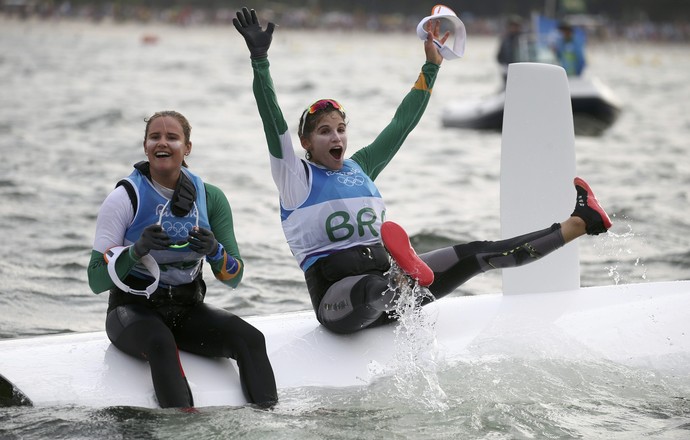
x,y
488,27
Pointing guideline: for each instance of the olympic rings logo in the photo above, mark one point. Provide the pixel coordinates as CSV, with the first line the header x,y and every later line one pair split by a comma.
x,y
176,230
351,180
348,178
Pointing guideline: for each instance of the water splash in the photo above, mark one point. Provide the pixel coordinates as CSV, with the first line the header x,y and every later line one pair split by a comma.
x,y
618,246
416,356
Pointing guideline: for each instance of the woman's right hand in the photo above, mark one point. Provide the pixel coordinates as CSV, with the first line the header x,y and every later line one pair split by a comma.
x,y
152,237
258,40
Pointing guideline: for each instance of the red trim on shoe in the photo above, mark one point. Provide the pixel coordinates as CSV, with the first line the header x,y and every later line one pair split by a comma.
x,y
593,203
397,243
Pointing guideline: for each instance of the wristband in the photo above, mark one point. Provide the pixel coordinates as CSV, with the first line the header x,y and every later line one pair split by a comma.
x,y
232,265
218,255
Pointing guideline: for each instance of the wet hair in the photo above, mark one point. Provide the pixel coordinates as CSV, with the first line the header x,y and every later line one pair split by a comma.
x,y
308,120
186,127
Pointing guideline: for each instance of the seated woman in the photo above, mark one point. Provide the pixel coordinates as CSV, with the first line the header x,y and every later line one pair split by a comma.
x,y
153,233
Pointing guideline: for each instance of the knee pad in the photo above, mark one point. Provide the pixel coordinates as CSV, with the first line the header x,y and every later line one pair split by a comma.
x,y
353,303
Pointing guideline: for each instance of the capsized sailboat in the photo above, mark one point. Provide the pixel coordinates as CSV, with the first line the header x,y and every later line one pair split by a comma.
x,y
543,313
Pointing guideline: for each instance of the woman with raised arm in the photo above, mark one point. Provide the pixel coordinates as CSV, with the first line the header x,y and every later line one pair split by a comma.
x,y
332,212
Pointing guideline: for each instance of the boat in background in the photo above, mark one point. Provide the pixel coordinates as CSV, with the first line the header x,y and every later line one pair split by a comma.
x,y
594,105
595,109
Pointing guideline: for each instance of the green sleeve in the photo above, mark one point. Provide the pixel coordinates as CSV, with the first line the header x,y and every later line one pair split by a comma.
x,y
374,157
269,110
99,279
220,219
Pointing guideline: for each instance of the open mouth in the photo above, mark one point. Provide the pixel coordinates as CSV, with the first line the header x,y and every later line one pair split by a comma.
x,y
336,152
162,154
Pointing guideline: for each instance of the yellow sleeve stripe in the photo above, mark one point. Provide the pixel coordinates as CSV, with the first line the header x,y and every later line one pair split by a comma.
x,y
224,275
421,83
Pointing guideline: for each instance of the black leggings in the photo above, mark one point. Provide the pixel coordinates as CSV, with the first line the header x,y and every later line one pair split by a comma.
x,y
358,301
154,334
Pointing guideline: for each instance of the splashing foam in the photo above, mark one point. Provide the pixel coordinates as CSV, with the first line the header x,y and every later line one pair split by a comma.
x,y
618,247
415,369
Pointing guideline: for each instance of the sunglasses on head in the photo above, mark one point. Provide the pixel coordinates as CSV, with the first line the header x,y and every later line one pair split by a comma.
x,y
321,104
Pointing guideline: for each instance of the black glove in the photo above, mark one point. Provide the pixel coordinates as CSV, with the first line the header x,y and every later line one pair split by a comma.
x,y
152,237
258,41
202,241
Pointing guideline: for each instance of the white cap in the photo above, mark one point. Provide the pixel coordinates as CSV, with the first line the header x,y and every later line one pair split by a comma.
x,y
148,261
445,14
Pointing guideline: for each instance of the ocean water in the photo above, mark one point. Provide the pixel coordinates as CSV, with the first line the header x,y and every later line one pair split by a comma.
x,y
74,97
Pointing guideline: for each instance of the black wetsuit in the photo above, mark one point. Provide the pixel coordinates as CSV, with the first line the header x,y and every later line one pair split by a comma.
x,y
175,316
154,329
350,292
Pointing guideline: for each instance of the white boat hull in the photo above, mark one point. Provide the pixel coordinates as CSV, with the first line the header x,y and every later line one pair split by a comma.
x,y
641,325
638,325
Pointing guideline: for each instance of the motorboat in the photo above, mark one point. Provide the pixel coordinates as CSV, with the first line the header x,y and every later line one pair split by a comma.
x,y
594,105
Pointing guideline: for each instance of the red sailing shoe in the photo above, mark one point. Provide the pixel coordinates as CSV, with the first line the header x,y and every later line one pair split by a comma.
x,y
397,243
589,210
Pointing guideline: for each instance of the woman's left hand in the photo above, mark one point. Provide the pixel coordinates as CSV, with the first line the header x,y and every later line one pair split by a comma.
x,y
433,29
202,241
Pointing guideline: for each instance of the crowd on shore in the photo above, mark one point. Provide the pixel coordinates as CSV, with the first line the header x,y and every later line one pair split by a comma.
x,y
599,28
